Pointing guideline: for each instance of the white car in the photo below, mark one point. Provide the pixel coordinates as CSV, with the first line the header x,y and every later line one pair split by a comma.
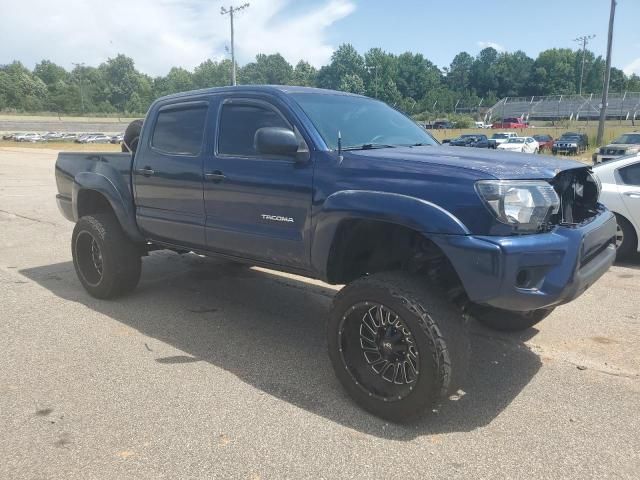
x,y
28,137
620,193
520,144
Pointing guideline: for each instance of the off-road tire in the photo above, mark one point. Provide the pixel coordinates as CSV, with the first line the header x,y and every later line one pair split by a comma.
x,y
120,258
629,243
438,328
508,321
132,136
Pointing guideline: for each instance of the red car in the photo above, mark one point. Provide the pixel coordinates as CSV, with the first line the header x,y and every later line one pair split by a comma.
x,y
510,123
545,141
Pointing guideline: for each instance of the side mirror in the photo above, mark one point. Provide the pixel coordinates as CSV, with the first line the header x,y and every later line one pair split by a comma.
x,y
275,141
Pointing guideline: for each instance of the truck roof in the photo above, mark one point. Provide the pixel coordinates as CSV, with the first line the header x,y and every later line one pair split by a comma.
x,y
286,89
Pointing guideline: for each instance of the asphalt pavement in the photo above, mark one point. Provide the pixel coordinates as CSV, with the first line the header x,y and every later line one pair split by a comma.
x,y
216,370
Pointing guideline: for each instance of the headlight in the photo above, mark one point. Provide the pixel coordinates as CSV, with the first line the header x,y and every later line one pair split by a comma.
x,y
527,205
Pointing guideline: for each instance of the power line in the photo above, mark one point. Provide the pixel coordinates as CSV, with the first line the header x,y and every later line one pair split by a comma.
x,y
607,75
584,39
231,10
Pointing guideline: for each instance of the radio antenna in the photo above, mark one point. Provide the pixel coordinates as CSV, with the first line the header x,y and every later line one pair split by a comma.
x,y
340,157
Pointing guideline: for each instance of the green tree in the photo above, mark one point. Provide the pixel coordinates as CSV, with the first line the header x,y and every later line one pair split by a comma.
x,y
267,69
344,61
459,73
352,83
212,74
304,74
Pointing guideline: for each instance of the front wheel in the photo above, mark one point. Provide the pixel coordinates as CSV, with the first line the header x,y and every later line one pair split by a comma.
x,y
397,347
107,263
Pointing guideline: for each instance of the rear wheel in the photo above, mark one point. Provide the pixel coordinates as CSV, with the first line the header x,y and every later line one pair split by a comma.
x,y
107,263
397,347
508,321
626,238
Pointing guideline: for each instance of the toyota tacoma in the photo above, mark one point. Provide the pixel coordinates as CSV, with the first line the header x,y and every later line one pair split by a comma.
x,y
348,190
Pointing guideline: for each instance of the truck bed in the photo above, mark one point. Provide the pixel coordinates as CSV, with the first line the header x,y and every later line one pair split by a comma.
x,y
115,167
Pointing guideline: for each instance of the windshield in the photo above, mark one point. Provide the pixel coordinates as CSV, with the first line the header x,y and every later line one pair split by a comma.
x,y
360,121
542,138
515,140
632,138
500,135
569,139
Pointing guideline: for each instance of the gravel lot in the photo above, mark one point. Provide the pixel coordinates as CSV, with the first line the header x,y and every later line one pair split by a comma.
x,y
212,370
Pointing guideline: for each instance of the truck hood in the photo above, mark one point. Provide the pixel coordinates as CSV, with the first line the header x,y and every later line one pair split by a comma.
x,y
503,165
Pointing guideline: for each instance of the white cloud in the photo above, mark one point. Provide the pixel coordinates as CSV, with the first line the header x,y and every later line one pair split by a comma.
x,y
159,34
484,45
633,67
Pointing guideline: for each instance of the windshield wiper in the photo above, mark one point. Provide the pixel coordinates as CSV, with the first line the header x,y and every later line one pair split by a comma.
x,y
368,146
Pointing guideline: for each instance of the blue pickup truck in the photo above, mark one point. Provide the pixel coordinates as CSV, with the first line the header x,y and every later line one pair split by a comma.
x,y
345,189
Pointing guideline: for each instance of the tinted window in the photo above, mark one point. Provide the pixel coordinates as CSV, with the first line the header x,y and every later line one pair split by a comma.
x,y
180,130
238,126
631,175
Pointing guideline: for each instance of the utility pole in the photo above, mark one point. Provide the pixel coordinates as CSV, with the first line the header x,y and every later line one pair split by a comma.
x,y
607,75
375,69
80,66
584,39
231,11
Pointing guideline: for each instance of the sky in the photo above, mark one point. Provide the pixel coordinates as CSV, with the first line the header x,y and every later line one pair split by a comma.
x,y
160,34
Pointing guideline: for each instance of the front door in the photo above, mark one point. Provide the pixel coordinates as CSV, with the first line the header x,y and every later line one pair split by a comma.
x,y
257,206
168,175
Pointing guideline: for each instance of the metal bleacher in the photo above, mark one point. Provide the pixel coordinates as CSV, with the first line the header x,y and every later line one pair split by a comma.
x,y
623,106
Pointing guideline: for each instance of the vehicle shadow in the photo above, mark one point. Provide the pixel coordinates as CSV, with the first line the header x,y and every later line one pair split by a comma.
x,y
269,330
632,262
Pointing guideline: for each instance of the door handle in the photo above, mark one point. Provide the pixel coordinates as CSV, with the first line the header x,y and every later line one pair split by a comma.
x,y
146,171
215,176
632,194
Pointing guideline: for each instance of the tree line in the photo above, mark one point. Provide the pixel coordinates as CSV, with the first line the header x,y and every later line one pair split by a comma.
x,y
409,80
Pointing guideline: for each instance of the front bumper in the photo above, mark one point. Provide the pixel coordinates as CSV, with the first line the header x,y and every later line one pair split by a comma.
x,y
599,158
528,272
557,149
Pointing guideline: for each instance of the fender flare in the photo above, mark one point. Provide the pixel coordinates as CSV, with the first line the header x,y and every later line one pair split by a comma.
x,y
411,212
117,193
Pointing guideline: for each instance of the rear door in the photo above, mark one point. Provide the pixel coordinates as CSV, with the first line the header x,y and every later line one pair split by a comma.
x,y
629,188
168,174
257,206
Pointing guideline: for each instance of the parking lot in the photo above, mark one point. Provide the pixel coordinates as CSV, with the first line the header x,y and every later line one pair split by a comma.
x,y
215,370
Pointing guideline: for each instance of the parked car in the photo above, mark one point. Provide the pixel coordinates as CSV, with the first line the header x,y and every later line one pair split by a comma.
x,y
67,137
443,125
82,137
571,143
97,139
10,136
380,207
482,125
626,144
520,144
117,138
29,137
545,142
499,138
470,140
511,122
620,179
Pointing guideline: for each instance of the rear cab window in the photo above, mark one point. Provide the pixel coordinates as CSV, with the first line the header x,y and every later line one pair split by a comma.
x,y
179,129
